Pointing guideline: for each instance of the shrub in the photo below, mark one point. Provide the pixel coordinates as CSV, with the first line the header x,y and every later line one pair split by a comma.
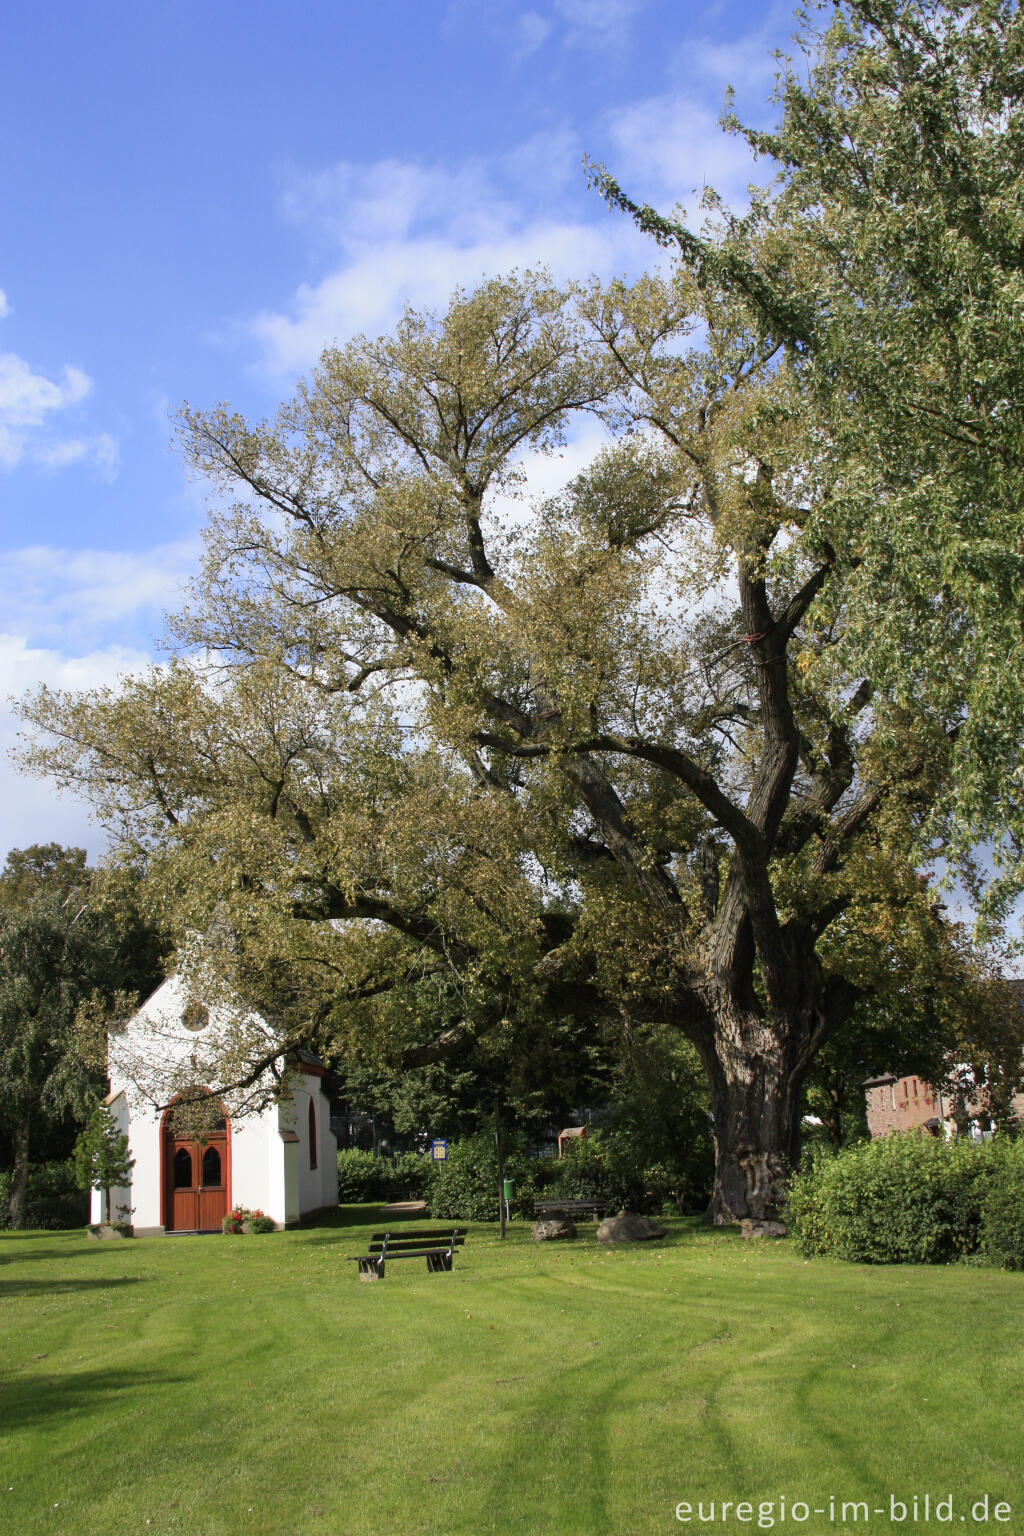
x,y
101,1160
608,1166
587,1171
361,1176
465,1186
413,1171
1002,1217
260,1223
907,1199
54,1202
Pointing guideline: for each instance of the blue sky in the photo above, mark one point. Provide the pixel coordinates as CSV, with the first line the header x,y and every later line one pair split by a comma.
x,y
198,198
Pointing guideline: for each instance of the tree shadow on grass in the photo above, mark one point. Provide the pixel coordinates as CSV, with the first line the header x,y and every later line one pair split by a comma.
x,y
38,1397
339,1219
569,1453
341,1225
64,1284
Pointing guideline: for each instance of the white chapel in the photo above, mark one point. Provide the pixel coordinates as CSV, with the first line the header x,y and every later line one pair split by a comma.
x,y
280,1159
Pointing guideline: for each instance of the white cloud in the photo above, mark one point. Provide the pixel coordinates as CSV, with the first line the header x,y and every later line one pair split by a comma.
x,y
31,811
385,200
669,146
546,167
405,232
410,234
369,292
598,23
530,33
28,398
81,595
746,61
101,451
29,401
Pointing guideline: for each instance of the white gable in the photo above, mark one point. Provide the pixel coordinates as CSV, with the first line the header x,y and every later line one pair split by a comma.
x,y
279,1157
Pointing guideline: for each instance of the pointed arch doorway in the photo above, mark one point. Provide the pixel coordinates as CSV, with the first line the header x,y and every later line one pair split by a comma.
x,y
196,1175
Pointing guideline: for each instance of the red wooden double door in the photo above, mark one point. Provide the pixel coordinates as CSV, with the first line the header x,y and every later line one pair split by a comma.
x,y
196,1180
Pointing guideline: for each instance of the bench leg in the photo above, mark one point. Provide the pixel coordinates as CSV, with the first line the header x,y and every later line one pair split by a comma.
x,y
436,1262
371,1269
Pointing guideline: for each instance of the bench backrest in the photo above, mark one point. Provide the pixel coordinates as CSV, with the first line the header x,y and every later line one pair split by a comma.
x,y
433,1232
568,1205
414,1242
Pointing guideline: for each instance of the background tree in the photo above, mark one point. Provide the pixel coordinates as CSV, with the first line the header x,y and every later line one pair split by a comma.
x,y
101,1157
539,1078
71,945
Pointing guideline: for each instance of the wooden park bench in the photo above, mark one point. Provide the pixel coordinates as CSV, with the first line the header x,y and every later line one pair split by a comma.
x,y
542,1209
395,1192
423,1243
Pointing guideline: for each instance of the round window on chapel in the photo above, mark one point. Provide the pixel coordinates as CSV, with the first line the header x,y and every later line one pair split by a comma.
x,y
195,1017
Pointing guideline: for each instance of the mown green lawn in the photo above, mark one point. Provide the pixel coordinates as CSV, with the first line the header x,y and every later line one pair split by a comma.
x,y
214,1384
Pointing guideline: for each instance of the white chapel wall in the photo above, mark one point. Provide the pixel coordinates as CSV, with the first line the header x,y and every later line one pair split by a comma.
x,y
269,1169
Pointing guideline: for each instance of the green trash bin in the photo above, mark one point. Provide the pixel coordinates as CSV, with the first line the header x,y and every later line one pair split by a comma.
x,y
510,1189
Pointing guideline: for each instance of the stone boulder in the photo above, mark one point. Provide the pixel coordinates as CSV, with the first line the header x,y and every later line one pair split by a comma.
x,y
627,1227
750,1228
553,1228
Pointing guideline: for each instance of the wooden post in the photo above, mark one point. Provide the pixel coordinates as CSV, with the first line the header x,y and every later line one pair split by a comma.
x,y
501,1168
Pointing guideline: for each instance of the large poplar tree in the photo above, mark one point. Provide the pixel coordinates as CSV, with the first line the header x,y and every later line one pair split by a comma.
x,y
560,760
888,258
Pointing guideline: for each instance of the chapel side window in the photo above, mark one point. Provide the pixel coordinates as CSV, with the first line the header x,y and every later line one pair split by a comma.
x,y
312,1134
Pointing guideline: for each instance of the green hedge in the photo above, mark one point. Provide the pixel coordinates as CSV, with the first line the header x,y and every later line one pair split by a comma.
x,y
605,1166
363,1177
54,1201
912,1199
1002,1222
414,1170
465,1186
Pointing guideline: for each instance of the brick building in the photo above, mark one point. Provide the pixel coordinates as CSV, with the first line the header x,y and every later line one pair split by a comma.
x,y
909,1104
906,1104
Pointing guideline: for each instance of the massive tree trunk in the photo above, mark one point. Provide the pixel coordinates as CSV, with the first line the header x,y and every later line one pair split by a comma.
x,y
755,1108
757,1060
19,1182
756,1067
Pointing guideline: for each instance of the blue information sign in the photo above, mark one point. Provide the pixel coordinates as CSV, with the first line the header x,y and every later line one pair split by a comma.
x,y
439,1151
